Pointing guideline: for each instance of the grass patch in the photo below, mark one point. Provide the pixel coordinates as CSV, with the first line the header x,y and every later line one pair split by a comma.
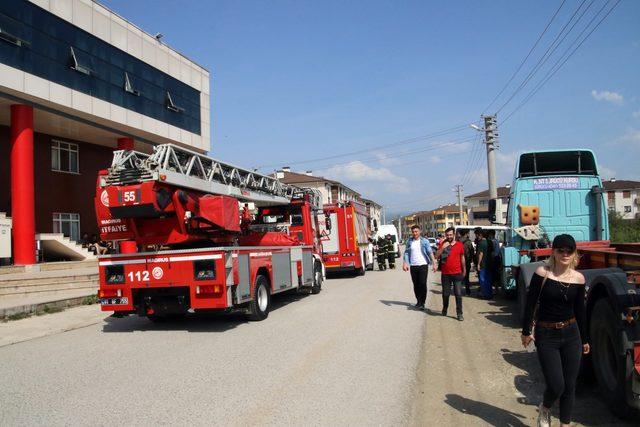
x,y
16,316
49,309
89,300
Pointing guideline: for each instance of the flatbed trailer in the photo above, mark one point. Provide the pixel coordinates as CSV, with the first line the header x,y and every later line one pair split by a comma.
x,y
612,273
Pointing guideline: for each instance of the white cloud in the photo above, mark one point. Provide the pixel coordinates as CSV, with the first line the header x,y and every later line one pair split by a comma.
x,y
605,172
631,135
435,159
605,95
630,139
636,114
385,160
357,171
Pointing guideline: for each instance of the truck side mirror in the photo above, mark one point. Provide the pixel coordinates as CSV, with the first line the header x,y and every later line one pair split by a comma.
x,y
492,210
375,225
327,223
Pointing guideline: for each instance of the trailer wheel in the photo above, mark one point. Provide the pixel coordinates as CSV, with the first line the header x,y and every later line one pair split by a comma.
x,y
317,279
521,295
609,366
261,301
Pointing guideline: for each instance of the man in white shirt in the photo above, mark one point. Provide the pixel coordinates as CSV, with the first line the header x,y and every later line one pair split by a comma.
x,y
417,257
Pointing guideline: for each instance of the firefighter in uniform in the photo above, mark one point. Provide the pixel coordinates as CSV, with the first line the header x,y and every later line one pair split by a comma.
x,y
381,253
391,255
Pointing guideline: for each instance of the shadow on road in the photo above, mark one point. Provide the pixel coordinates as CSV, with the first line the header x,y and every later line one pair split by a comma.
x,y
408,305
505,313
212,321
490,414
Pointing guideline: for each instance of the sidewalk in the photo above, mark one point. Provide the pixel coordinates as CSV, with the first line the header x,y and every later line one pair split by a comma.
x,y
33,292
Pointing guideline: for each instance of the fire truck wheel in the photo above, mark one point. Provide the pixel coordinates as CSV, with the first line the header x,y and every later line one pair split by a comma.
x,y
261,301
609,366
317,279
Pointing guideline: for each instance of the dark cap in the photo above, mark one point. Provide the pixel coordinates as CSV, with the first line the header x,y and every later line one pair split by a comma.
x,y
564,241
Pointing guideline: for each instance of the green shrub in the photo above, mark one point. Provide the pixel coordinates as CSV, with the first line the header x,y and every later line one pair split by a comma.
x,y
623,230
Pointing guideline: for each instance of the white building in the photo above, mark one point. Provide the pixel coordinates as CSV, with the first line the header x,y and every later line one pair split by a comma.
x,y
332,191
375,213
78,81
622,197
478,206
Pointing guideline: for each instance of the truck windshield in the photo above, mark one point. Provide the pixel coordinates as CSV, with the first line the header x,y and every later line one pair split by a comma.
x,y
557,163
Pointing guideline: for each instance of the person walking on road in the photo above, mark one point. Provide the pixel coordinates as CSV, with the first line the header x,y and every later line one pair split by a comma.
x,y
417,257
469,255
381,253
484,265
555,308
391,255
452,266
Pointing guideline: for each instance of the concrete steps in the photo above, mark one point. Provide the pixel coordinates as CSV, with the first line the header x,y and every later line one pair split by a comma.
x,y
48,281
31,289
57,246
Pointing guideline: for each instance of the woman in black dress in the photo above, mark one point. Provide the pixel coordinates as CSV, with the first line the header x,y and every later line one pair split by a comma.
x,y
556,303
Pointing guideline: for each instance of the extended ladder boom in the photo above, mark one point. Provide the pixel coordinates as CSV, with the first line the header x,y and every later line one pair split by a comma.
x,y
187,169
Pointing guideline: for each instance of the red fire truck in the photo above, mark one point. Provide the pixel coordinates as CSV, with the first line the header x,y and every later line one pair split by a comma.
x,y
199,249
345,243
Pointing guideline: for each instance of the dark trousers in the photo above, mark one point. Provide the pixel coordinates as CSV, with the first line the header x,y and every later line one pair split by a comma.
x,y
559,353
467,285
452,281
391,257
419,274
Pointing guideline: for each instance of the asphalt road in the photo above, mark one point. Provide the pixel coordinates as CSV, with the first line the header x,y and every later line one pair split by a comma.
x,y
356,354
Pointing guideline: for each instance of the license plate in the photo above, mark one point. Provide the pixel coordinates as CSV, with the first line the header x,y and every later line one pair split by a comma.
x,y
114,301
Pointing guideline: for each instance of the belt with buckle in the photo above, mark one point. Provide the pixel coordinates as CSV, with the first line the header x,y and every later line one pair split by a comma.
x,y
556,325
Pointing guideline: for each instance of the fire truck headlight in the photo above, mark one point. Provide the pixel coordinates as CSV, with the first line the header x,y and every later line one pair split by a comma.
x,y
114,274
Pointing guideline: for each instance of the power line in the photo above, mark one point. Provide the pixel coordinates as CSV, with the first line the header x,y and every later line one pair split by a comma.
x,y
553,70
474,152
526,57
432,135
433,146
548,53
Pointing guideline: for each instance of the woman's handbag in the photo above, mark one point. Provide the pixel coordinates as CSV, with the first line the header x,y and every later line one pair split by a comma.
x,y
532,346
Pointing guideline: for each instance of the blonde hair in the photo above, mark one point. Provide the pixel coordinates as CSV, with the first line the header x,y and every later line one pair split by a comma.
x,y
551,261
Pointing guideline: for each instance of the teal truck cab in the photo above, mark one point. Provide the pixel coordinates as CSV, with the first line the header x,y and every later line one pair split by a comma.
x,y
556,192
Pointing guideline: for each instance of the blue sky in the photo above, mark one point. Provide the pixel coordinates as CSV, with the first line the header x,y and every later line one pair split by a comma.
x,y
294,81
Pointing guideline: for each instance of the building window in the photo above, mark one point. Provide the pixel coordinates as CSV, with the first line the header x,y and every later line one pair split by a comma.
x,y
626,194
611,195
68,224
627,209
65,157
483,202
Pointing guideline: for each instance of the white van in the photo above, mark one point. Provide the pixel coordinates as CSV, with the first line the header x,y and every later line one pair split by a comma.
x,y
385,229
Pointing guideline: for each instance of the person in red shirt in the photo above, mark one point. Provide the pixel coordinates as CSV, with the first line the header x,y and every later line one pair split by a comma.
x,y
453,268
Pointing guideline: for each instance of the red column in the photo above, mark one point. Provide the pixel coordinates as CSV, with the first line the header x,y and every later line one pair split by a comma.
x,y
22,187
125,143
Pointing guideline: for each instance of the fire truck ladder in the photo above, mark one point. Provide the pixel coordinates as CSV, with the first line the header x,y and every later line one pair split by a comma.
x,y
187,169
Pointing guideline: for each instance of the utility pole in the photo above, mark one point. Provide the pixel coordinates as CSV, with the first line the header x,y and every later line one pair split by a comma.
x,y
491,142
400,226
459,192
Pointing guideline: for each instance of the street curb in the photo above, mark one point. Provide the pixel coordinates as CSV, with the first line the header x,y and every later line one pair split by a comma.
x,y
43,307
